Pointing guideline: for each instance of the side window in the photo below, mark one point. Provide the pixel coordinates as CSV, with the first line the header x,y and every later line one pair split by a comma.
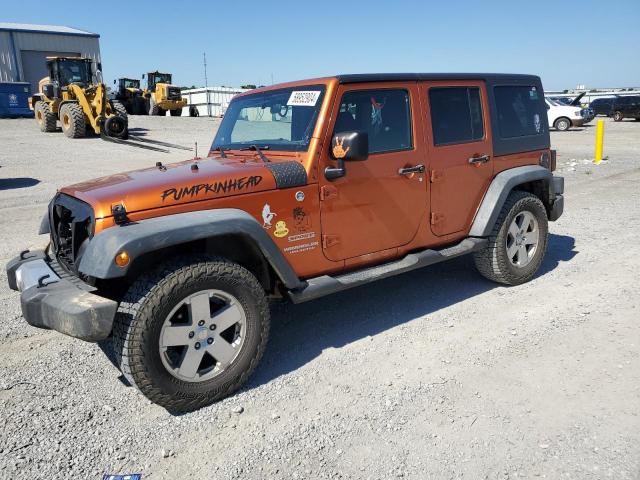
x,y
519,110
456,115
383,114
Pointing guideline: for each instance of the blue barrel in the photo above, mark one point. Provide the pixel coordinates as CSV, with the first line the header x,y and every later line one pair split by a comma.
x,y
14,97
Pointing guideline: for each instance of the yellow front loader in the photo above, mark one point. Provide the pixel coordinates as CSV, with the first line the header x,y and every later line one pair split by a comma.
x,y
70,95
160,95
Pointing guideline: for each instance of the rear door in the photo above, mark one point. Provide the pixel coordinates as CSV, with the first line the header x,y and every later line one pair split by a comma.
x,y
460,152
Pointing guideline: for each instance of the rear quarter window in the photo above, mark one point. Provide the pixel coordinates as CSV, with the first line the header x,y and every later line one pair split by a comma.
x,y
520,111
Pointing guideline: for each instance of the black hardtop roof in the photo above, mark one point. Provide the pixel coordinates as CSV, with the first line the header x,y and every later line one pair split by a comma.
x,y
494,78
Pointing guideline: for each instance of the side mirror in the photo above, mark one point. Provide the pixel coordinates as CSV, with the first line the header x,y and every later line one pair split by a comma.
x,y
143,76
347,146
114,82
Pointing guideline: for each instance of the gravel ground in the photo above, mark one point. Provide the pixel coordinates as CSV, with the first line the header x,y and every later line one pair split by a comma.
x,y
434,374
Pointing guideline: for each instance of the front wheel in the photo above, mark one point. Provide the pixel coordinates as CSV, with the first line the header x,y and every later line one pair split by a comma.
x,y
562,124
176,112
191,332
72,120
518,241
618,116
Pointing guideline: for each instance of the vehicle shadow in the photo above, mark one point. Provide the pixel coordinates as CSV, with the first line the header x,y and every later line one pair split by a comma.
x,y
18,182
299,333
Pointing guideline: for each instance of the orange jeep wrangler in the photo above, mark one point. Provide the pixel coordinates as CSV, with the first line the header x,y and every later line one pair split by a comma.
x,y
309,188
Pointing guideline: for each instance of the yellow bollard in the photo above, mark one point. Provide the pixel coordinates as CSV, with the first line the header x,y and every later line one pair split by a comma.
x,y
599,141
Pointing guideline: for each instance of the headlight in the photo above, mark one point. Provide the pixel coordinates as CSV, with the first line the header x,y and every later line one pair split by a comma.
x,y
578,113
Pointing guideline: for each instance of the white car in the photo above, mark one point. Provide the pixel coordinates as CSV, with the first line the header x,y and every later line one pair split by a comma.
x,y
562,117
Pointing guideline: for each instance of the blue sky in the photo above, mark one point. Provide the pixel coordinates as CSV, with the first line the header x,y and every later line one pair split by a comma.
x,y
566,42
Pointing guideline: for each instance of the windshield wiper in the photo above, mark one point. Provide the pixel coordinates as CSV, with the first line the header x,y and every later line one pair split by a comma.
x,y
259,150
221,150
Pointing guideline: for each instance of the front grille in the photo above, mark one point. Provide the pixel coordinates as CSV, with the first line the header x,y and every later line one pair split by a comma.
x,y
71,222
173,93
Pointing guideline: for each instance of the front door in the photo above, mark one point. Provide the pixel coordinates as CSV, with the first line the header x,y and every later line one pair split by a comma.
x,y
377,205
460,152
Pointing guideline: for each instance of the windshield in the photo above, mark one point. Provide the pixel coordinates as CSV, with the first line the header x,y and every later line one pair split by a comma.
x,y
74,71
551,102
128,83
158,78
279,119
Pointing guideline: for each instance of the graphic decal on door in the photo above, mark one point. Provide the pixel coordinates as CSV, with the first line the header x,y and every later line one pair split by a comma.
x,y
267,216
376,114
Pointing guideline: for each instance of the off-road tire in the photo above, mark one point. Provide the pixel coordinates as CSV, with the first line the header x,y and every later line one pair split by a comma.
x,y
176,112
144,308
45,118
193,111
72,120
119,109
139,106
492,262
562,124
154,109
618,116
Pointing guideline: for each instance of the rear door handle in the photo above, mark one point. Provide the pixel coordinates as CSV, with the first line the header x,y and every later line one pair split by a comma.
x,y
479,159
410,170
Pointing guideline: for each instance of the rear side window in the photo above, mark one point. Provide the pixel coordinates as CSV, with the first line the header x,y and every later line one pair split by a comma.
x,y
519,110
456,115
383,114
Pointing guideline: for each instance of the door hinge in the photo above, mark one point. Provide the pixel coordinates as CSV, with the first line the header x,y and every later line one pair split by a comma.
x,y
436,175
330,240
328,191
436,218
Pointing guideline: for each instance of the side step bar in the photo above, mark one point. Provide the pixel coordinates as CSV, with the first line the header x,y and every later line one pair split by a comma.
x,y
324,285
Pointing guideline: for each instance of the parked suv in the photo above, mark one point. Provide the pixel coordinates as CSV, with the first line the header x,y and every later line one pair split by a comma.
x,y
602,106
310,188
626,107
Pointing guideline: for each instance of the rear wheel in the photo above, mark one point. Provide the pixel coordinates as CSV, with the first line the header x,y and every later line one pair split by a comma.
x,y
562,124
618,116
518,241
72,120
139,106
176,112
45,118
191,332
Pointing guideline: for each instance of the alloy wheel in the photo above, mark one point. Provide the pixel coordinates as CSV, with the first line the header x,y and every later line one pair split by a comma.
x,y
202,335
522,240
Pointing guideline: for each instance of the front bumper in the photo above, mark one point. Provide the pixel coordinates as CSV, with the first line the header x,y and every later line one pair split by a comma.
x,y
578,122
54,300
557,206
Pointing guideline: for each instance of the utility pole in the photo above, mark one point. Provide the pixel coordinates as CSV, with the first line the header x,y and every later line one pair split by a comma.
x,y
206,83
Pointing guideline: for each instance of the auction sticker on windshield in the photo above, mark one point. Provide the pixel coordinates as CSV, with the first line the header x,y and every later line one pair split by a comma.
x,y
304,98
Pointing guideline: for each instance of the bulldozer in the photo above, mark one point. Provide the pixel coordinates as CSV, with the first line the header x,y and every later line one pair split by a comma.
x,y
70,95
161,96
129,94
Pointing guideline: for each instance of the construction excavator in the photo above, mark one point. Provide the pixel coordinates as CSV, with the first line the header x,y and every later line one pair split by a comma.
x,y
75,95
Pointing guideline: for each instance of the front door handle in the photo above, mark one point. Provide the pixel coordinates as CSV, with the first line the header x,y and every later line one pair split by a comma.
x,y
410,170
479,159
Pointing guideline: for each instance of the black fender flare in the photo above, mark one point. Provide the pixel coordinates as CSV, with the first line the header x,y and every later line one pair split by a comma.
x,y
497,193
139,238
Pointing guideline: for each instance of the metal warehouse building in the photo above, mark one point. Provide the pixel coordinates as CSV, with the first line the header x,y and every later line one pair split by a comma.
x,y
24,48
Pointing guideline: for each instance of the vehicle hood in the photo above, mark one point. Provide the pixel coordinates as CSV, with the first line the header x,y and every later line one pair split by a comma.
x,y
576,101
173,184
